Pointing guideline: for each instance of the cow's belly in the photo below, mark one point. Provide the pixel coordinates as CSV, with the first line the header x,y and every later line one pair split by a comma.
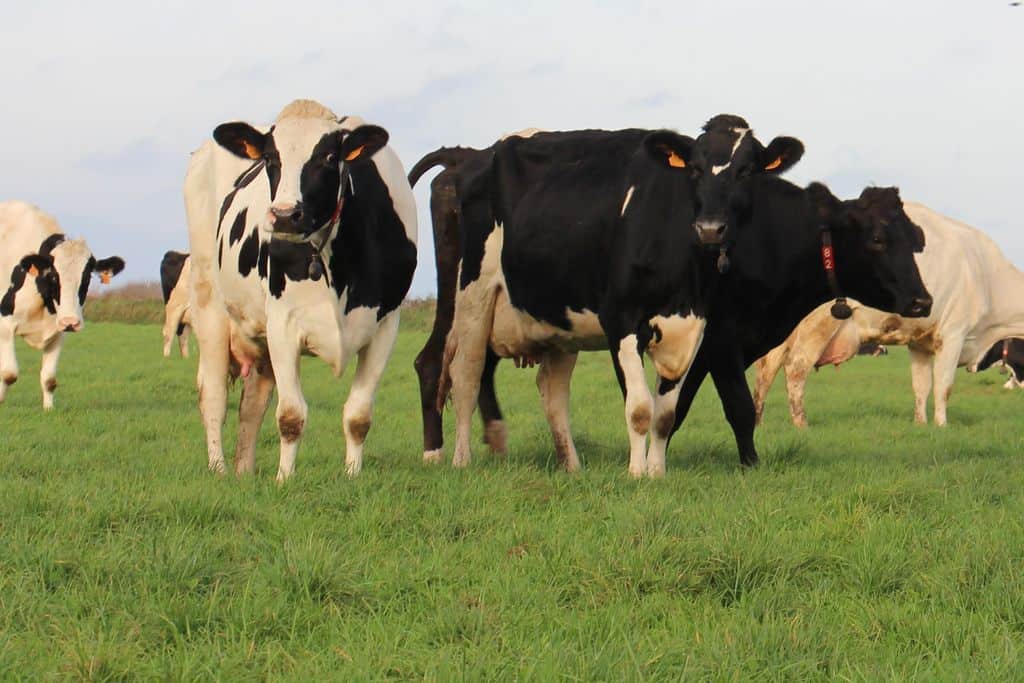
x,y
516,333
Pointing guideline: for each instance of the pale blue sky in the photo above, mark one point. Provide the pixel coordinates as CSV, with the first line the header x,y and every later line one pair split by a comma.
x,y
103,101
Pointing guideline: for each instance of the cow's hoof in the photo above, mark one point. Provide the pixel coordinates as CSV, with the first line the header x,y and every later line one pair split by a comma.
x,y
10,379
496,436
433,457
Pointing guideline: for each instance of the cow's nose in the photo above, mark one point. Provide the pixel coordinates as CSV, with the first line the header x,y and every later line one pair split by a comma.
x,y
70,324
920,307
710,232
285,217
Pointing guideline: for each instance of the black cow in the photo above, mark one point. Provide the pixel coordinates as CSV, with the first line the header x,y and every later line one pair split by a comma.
x,y
560,281
1009,354
177,321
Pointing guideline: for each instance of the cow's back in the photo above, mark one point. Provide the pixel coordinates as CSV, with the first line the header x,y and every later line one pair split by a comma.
x,y
23,228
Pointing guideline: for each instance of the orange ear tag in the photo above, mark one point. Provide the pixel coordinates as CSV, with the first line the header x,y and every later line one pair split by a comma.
x,y
33,271
774,165
354,154
251,151
105,277
676,161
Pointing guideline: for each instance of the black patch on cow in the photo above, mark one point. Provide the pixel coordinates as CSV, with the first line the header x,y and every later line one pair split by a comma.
x,y
287,260
49,243
220,255
83,285
238,227
272,158
241,181
17,280
725,121
319,182
248,254
263,260
170,271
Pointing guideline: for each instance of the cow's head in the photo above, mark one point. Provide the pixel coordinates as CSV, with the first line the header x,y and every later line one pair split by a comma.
x,y
305,154
62,271
875,242
992,356
719,161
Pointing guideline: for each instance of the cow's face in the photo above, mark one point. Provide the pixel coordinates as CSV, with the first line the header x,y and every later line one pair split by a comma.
x,y
875,242
722,160
305,162
62,278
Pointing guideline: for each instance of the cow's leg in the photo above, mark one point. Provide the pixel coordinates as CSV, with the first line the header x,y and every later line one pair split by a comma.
x,y
168,334
183,340
358,412
8,361
639,404
767,369
428,369
48,370
796,370
688,391
944,373
921,379
664,420
292,410
212,332
553,382
737,403
495,432
256,390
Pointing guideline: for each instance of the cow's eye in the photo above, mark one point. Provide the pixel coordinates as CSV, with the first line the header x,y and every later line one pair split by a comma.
x,y
330,159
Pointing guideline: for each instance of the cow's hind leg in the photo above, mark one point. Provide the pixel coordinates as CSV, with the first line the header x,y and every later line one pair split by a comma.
x,y
358,412
664,420
256,390
8,361
796,379
212,379
183,335
48,370
495,432
553,382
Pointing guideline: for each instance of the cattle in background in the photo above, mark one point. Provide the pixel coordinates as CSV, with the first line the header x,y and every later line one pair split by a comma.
x,y
175,273
556,290
1009,355
303,240
44,278
969,277
872,349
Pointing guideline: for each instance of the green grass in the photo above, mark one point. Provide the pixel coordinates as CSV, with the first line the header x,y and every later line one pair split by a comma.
x,y
864,549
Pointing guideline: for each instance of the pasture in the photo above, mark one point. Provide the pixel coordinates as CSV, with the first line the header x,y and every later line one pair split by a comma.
x,y
867,548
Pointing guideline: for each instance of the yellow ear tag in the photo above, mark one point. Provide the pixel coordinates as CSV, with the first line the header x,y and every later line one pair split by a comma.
x,y
105,276
33,271
354,154
251,151
676,161
774,165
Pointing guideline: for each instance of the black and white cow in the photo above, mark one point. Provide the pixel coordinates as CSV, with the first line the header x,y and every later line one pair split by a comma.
x,y
1009,355
44,279
588,240
303,240
175,273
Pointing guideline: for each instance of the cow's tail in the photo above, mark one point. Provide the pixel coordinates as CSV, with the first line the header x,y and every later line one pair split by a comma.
x,y
768,367
443,156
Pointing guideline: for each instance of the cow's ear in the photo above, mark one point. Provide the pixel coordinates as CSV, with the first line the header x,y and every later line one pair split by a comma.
x,y
363,143
107,268
240,139
669,148
825,204
782,154
34,264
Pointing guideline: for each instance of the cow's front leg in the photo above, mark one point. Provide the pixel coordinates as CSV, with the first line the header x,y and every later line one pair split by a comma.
x,y
358,413
664,420
553,381
48,370
639,404
921,380
8,361
944,372
285,355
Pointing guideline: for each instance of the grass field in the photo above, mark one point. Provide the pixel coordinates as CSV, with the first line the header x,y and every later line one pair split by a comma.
x,y
864,549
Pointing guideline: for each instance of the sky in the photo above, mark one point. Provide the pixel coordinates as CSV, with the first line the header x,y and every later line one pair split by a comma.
x,y
102,102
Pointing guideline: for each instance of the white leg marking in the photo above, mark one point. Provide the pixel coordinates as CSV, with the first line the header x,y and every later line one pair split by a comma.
x,y
921,380
48,370
358,413
639,404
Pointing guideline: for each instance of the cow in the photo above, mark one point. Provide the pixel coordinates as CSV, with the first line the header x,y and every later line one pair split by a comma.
x,y
175,273
1009,355
969,276
533,289
303,240
44,277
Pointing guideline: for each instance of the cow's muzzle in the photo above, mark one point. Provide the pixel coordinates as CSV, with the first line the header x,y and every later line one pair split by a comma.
x,y
69,324
920,307
710,233
286,219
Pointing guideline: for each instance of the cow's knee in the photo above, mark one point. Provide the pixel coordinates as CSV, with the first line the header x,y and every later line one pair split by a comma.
x,y
357,427
291,422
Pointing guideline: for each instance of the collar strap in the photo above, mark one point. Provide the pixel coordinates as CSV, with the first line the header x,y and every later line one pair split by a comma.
x,y
840,309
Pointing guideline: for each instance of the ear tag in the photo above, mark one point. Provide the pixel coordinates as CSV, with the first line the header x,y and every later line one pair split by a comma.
x,y
316,270
354,154
33,271
105,276
774,165
676,161
251,151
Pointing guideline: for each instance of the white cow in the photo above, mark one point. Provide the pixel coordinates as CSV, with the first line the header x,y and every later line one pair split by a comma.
x,y
978,300
44,279
303,240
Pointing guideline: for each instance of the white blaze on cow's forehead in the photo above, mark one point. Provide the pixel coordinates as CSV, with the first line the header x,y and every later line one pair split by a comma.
x,y
740,134
629,195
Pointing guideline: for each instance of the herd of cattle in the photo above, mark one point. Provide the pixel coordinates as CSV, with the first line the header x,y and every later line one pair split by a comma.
x,y
692,252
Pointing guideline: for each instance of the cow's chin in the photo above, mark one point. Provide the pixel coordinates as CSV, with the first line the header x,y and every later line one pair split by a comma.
x,y
294,237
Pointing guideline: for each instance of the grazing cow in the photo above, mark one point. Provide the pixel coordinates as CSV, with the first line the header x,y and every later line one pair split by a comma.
x,y
45,278
1009,354
867,248
175,273
534,290
969,276
303,240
